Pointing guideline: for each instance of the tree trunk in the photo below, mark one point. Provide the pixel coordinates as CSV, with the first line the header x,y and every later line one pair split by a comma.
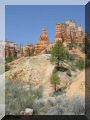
x,y
55,88
58,64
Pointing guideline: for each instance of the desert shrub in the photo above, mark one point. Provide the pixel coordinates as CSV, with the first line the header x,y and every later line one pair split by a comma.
x,y
9,59
55,110
38,105
70,46
55,70
73,67
60,105
38,92
71,57
75,45
78,105
17,98
80,64
7,67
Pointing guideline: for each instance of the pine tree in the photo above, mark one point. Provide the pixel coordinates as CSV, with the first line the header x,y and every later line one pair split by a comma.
x,y
58,53
55,80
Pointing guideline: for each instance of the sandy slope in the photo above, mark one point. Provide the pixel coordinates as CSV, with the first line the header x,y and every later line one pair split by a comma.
x,y
36,71
78,86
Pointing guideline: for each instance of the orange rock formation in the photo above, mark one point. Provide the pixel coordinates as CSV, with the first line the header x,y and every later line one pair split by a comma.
x,y
43,42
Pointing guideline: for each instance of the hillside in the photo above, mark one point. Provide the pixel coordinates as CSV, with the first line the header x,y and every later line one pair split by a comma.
x,y
36,71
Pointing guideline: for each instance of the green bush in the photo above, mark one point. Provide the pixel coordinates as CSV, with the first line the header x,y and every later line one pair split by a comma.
x,y
80,64
55,70
71,57
73,67
9,59
70,46
7,67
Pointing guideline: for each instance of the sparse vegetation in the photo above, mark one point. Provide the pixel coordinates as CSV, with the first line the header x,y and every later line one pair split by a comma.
x,y
80,64
9,59
78,105
70,46
71,57
7,67
18,98
60,105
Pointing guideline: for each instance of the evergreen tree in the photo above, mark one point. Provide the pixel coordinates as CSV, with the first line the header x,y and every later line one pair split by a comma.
x,y
55,80
58,53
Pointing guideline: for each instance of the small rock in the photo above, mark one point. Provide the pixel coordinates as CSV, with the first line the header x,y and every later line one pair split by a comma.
x,y
69,73
28,111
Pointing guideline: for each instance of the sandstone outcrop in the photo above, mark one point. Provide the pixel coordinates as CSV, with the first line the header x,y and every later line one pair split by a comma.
x,y
69,32
43,42
60,32
28,50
